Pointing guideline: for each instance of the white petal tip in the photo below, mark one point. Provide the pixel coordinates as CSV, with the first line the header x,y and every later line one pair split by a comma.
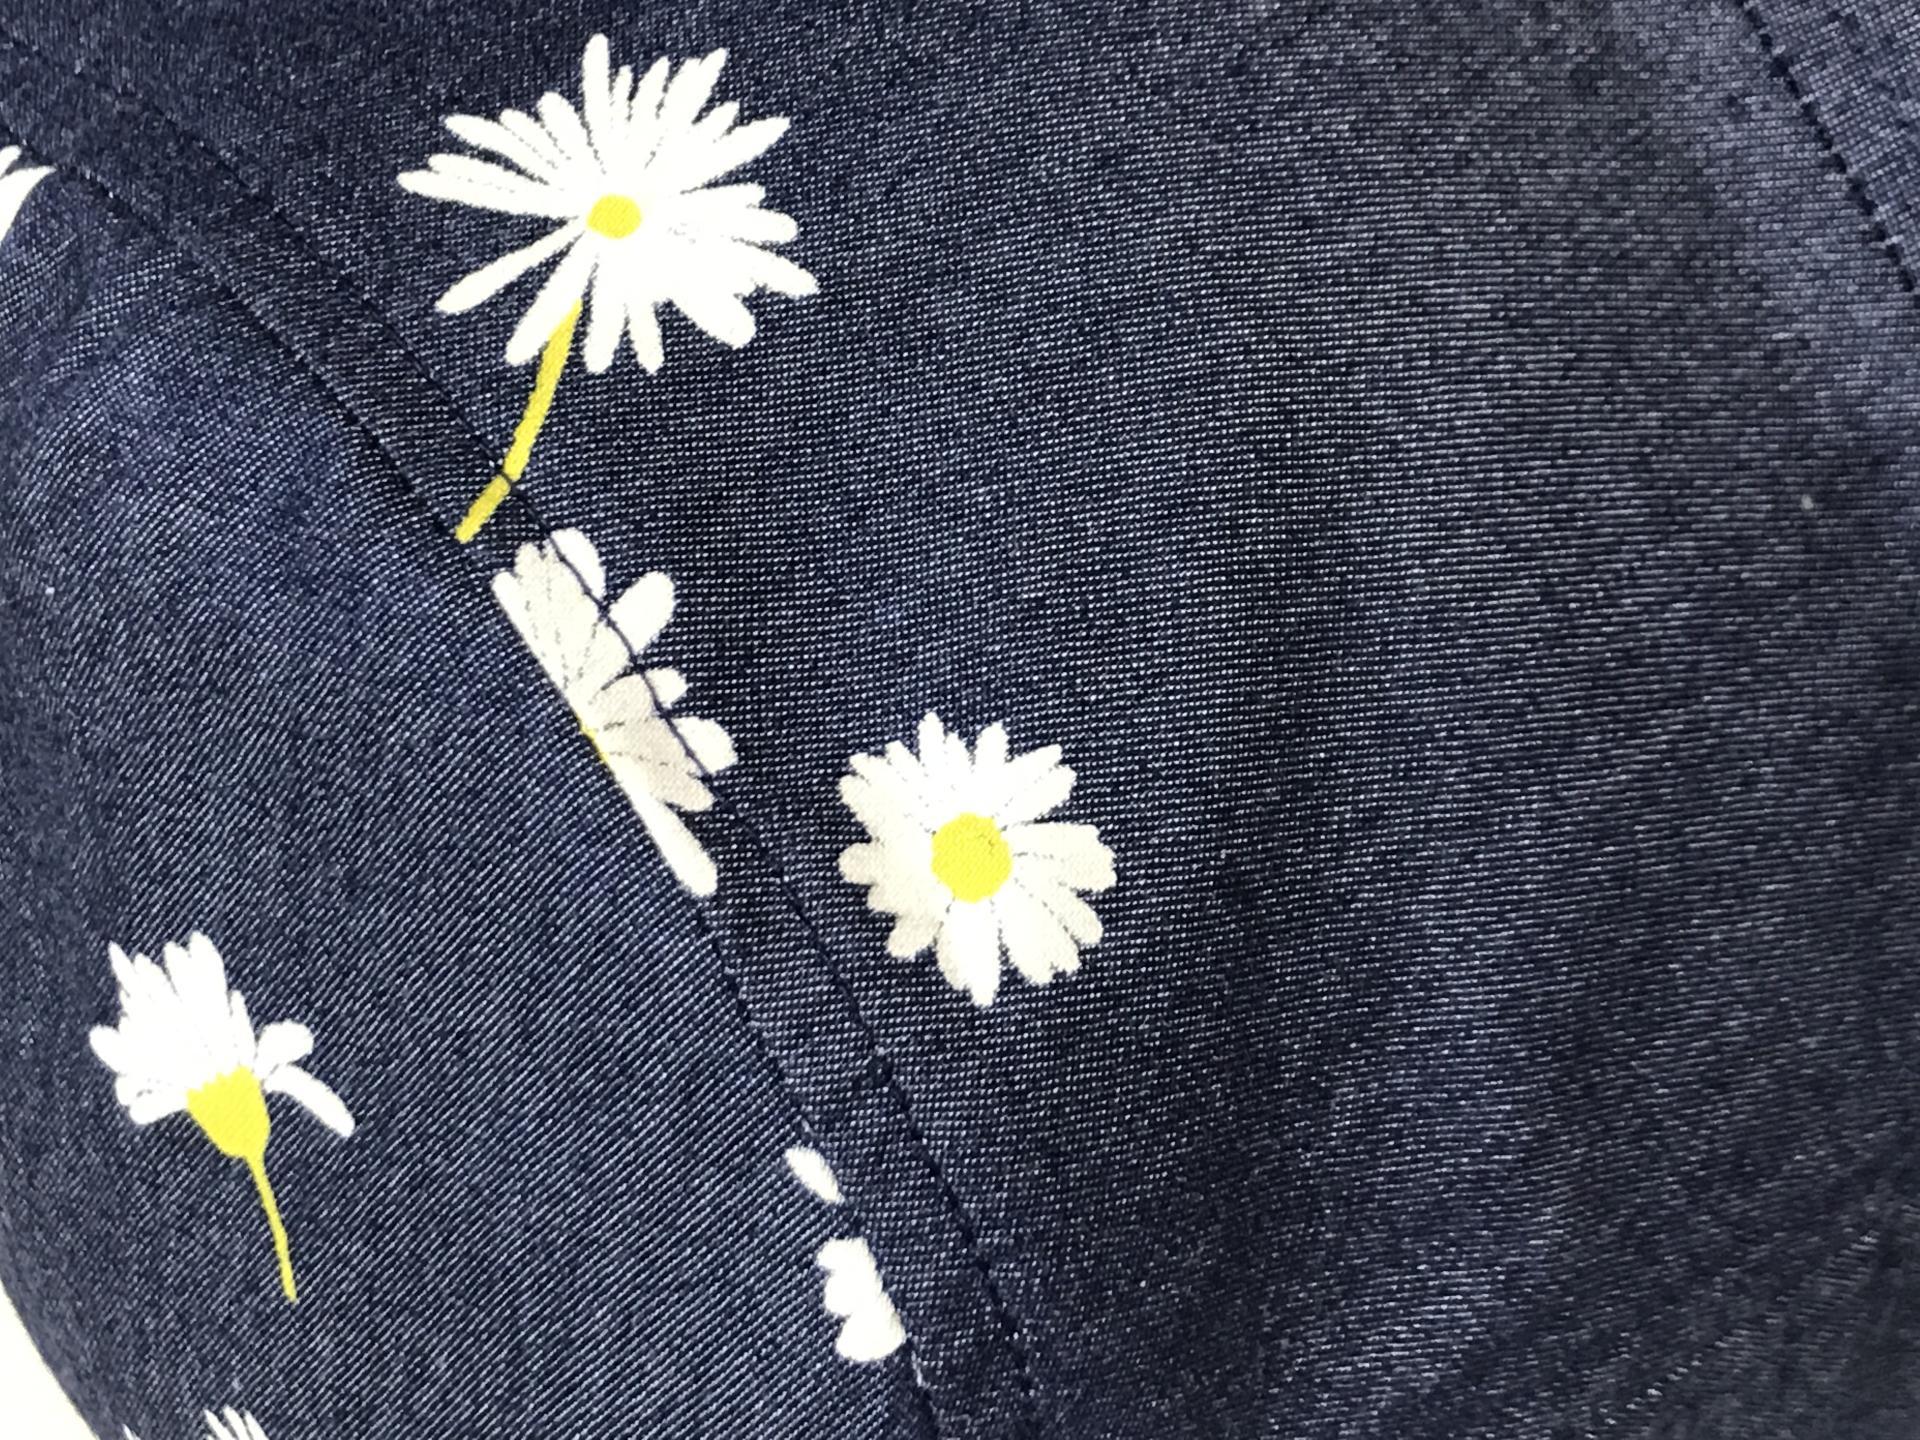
x,y
810,1168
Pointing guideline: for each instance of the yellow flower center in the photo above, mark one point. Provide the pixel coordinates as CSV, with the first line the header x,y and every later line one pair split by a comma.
x,y
614,216
593,739
233,1112
970,857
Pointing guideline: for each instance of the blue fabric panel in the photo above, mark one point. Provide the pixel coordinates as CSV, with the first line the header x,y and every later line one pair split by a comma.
x,y
1445,476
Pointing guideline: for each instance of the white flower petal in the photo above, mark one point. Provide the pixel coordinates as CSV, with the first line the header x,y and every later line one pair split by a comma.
x,y
1037,943
969,950
562,123
437,186
871,1336
539,162
729,151
710,744
596,97
721,315
582,557
149,1106
705,131
643,122
990,749
931,737
1073,854
871,1328
711,215
668,685
530,131
643,609
1036,784
490,279
644,327
565,288
607,320
282,1043
14,189
319,1099
689,91
112,1048
767,270
810,1168
1071,911
510,186
914,932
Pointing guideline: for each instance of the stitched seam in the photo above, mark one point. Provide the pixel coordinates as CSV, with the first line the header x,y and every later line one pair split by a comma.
x,y
729,979
1878,1211
341,278
1803,99
703,923
879,1065
1871,1235
1012,1331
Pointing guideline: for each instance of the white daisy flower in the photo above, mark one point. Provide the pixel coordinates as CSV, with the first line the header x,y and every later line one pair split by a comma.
x,y
185,1043
553,597
870,1327
630,177
16,185
958,852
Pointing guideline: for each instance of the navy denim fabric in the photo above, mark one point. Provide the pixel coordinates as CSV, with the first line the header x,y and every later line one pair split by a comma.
x,y
1442,471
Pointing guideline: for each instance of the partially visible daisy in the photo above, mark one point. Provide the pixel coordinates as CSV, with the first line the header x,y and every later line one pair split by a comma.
x,y
230,1424
870,1327
185,1043
958,853
238,1425
16,185
629,178
553,597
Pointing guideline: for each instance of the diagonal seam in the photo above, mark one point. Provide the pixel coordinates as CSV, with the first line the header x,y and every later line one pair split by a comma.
x,y
1862,197
880,1066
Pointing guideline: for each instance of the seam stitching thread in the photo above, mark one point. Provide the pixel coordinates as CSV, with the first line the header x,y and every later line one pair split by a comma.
x,y
1782,67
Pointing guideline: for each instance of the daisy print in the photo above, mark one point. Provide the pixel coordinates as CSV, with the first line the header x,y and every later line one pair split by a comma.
x,y
16,183
852,1291
185,1043
229,1424
626,186
959,854
233,1424
553,595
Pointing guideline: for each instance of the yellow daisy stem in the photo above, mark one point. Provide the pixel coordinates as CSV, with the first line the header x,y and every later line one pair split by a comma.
x,y
553,360
257,1167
